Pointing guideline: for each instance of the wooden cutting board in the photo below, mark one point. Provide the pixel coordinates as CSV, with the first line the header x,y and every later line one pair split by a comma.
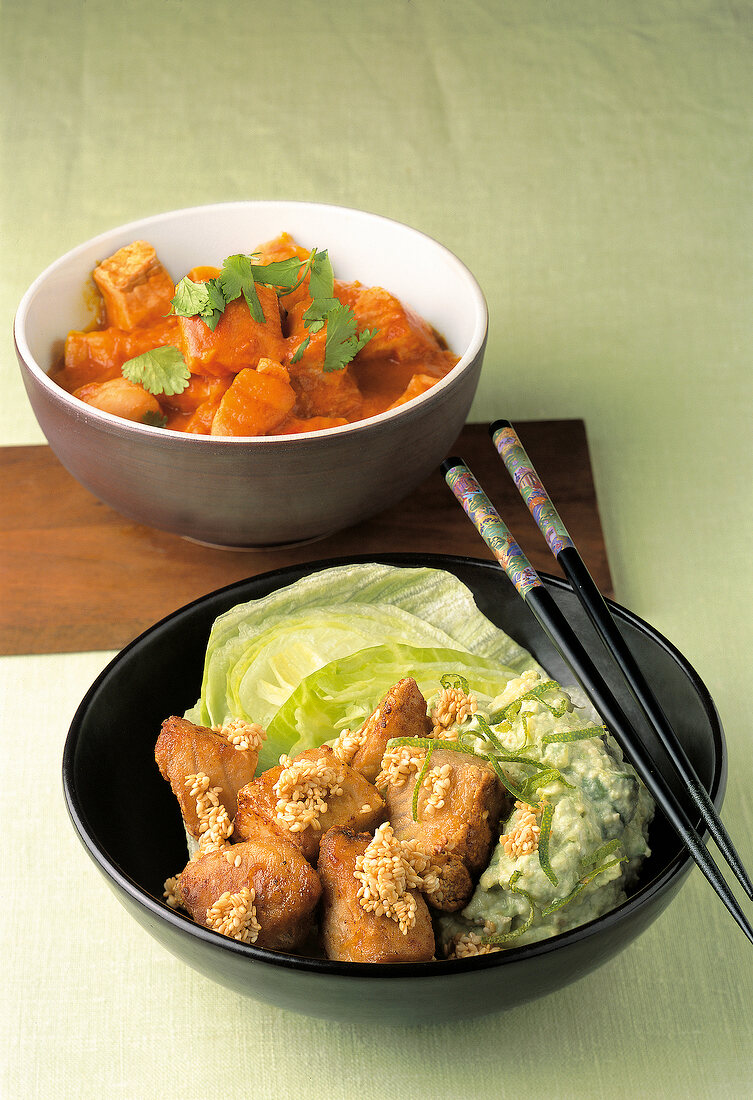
x,y
77,576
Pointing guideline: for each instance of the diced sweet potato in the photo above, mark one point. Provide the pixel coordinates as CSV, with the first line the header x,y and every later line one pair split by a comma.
x,y
418,384
286,887
466,824
238,341
282,247
254,404
295,425
401,713
200,388
184,748
200,422
350,933
203,273
360,806
135,286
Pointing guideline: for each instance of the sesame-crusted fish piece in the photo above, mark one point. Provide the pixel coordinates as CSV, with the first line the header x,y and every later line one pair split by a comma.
x,y
184,749
351,933
401,713
286,889
308,795
462,821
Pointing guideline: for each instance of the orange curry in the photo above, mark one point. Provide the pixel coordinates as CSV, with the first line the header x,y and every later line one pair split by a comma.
x,y
244,379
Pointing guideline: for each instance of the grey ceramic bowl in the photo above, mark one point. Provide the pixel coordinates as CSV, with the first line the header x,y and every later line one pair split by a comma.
x,y
264,491
109,753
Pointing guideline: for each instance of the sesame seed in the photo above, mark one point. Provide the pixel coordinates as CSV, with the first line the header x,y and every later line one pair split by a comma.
x,y
215,826
243,736
172,894
387,871
302,789
398,765
523,837
451,709
234,915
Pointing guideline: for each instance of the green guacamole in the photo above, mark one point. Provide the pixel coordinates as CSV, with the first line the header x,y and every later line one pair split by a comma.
x,y
592,810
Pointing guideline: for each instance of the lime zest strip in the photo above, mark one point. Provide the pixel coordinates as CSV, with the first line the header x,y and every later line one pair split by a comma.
x,y
548,775
560,903
420,778
537,692
505,781
600,853
504,937
437,743
547,813
454,680
573,735
489,734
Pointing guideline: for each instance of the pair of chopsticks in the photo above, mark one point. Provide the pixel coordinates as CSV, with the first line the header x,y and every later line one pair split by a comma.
x,y
539,600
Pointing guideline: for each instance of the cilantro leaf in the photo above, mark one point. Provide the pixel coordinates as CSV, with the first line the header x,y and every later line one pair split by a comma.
x,y
154,419
300,349
240,275
215,306
204,300
236,278
322,281
190,298
162,370
316,314
286,275
343,339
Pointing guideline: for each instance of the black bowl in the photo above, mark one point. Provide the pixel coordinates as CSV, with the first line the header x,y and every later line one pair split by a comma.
x,y
127,819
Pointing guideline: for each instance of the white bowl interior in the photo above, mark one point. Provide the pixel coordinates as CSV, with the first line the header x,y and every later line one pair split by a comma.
x,y
362,246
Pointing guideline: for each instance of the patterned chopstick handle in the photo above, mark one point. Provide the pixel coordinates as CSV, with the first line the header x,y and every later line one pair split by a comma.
x,y
529,485
490,526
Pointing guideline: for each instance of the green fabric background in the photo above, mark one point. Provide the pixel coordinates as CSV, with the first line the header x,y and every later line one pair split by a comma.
x,y
591,162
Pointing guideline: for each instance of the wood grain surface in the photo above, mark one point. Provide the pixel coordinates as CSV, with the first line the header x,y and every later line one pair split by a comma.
x,y
77,576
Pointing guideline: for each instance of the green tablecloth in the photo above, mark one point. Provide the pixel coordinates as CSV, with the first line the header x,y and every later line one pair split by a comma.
x,y
591,162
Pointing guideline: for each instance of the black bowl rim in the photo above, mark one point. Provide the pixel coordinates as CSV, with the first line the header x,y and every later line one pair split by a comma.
x,y
676,868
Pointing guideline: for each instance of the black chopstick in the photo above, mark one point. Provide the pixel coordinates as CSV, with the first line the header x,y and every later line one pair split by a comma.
x,y
539,600
540,505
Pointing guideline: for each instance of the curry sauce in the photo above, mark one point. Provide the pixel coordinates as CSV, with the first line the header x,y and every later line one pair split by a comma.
x,y
247,375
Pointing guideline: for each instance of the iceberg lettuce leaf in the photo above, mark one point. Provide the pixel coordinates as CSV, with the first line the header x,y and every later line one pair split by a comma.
x,y
260,651
343,693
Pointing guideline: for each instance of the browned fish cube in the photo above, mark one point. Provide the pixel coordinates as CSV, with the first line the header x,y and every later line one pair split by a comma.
x,y
286,889
358,805
353,934
455,884
401,713
136,288
464,817
184,749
